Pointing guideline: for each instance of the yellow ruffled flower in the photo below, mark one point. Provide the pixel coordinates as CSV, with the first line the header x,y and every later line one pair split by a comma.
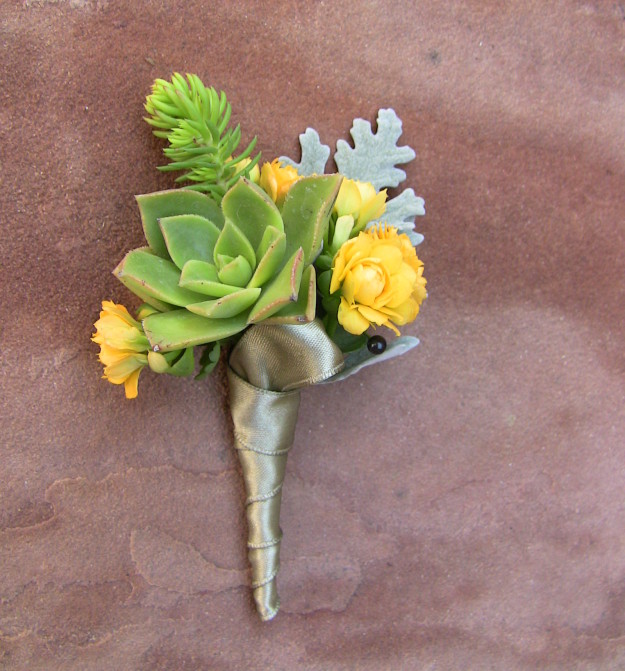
x,y
360,201
123,346
380,278
276,180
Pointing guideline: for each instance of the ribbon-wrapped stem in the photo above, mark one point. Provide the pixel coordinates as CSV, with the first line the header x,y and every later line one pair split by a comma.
x,y
268,366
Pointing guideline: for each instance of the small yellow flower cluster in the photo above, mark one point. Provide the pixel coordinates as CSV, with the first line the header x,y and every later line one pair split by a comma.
x,y
380,278
123,346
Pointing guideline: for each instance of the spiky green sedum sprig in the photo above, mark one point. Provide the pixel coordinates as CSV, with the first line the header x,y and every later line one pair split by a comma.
x,y
194,120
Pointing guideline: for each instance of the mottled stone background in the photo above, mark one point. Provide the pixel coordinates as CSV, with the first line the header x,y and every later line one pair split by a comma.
x,y
460,508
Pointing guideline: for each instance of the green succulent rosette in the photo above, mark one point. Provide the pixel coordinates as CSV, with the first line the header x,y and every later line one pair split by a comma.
x,y
210,270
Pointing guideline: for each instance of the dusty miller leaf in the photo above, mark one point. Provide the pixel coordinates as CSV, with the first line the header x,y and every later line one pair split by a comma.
x,y
314,154
375,155
401,212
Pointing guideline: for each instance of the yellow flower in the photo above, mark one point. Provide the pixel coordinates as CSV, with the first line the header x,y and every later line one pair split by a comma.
x,y
360,201
276,180
380,278
123,346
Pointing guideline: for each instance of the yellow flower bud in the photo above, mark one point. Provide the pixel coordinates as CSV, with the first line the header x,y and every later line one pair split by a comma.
x,y
380,279
276,180
123,346
254,175
360,201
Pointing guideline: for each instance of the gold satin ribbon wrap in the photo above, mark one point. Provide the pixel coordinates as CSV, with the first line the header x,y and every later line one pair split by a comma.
x,y
268,366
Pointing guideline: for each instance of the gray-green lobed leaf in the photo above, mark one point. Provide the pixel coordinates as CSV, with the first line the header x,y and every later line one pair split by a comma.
x,y
374,155
314,154
401,212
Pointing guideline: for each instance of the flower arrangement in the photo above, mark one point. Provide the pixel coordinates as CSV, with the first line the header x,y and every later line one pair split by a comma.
x,y
288,267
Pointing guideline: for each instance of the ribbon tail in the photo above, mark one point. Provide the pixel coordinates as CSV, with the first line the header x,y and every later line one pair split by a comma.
x,y
264,426
268,366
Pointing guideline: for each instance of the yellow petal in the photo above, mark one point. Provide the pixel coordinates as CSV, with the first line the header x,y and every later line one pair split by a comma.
x,y
119,311
122,369
404,313
351,319
131,385
348,199
109,356
369,283
401,290
373,316
268,181
387,254
372,209
349,287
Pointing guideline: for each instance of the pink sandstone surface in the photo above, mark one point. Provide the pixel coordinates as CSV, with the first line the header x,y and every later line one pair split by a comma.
x,y
460,508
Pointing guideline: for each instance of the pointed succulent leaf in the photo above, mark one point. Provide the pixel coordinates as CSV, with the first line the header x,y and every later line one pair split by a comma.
x,y
228,306
208,360
189,236
282,289
155,206
235,271
252,210
232,242
270,235
139,290
180,328
306,213
202,277
271,253
303,310
184,365
157,277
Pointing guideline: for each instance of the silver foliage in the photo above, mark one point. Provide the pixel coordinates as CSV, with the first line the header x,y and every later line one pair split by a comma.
x,y
374,155
401,212
314,154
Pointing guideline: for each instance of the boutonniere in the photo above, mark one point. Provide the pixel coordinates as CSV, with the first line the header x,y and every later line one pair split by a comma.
x,y
299,274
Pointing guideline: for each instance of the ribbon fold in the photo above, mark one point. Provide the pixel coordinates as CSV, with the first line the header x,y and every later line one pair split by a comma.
x,y
268,367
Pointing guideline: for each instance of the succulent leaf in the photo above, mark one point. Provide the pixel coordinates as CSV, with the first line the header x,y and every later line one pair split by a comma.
x,y
232,242
161,204
177,329
303,309
228,306
252,210
158,277
306,213
283,289
235,271
202,277
271,253
139,290
208,360
189,237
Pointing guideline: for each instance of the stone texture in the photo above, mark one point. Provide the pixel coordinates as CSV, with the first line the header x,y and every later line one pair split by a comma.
x,y
460,508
